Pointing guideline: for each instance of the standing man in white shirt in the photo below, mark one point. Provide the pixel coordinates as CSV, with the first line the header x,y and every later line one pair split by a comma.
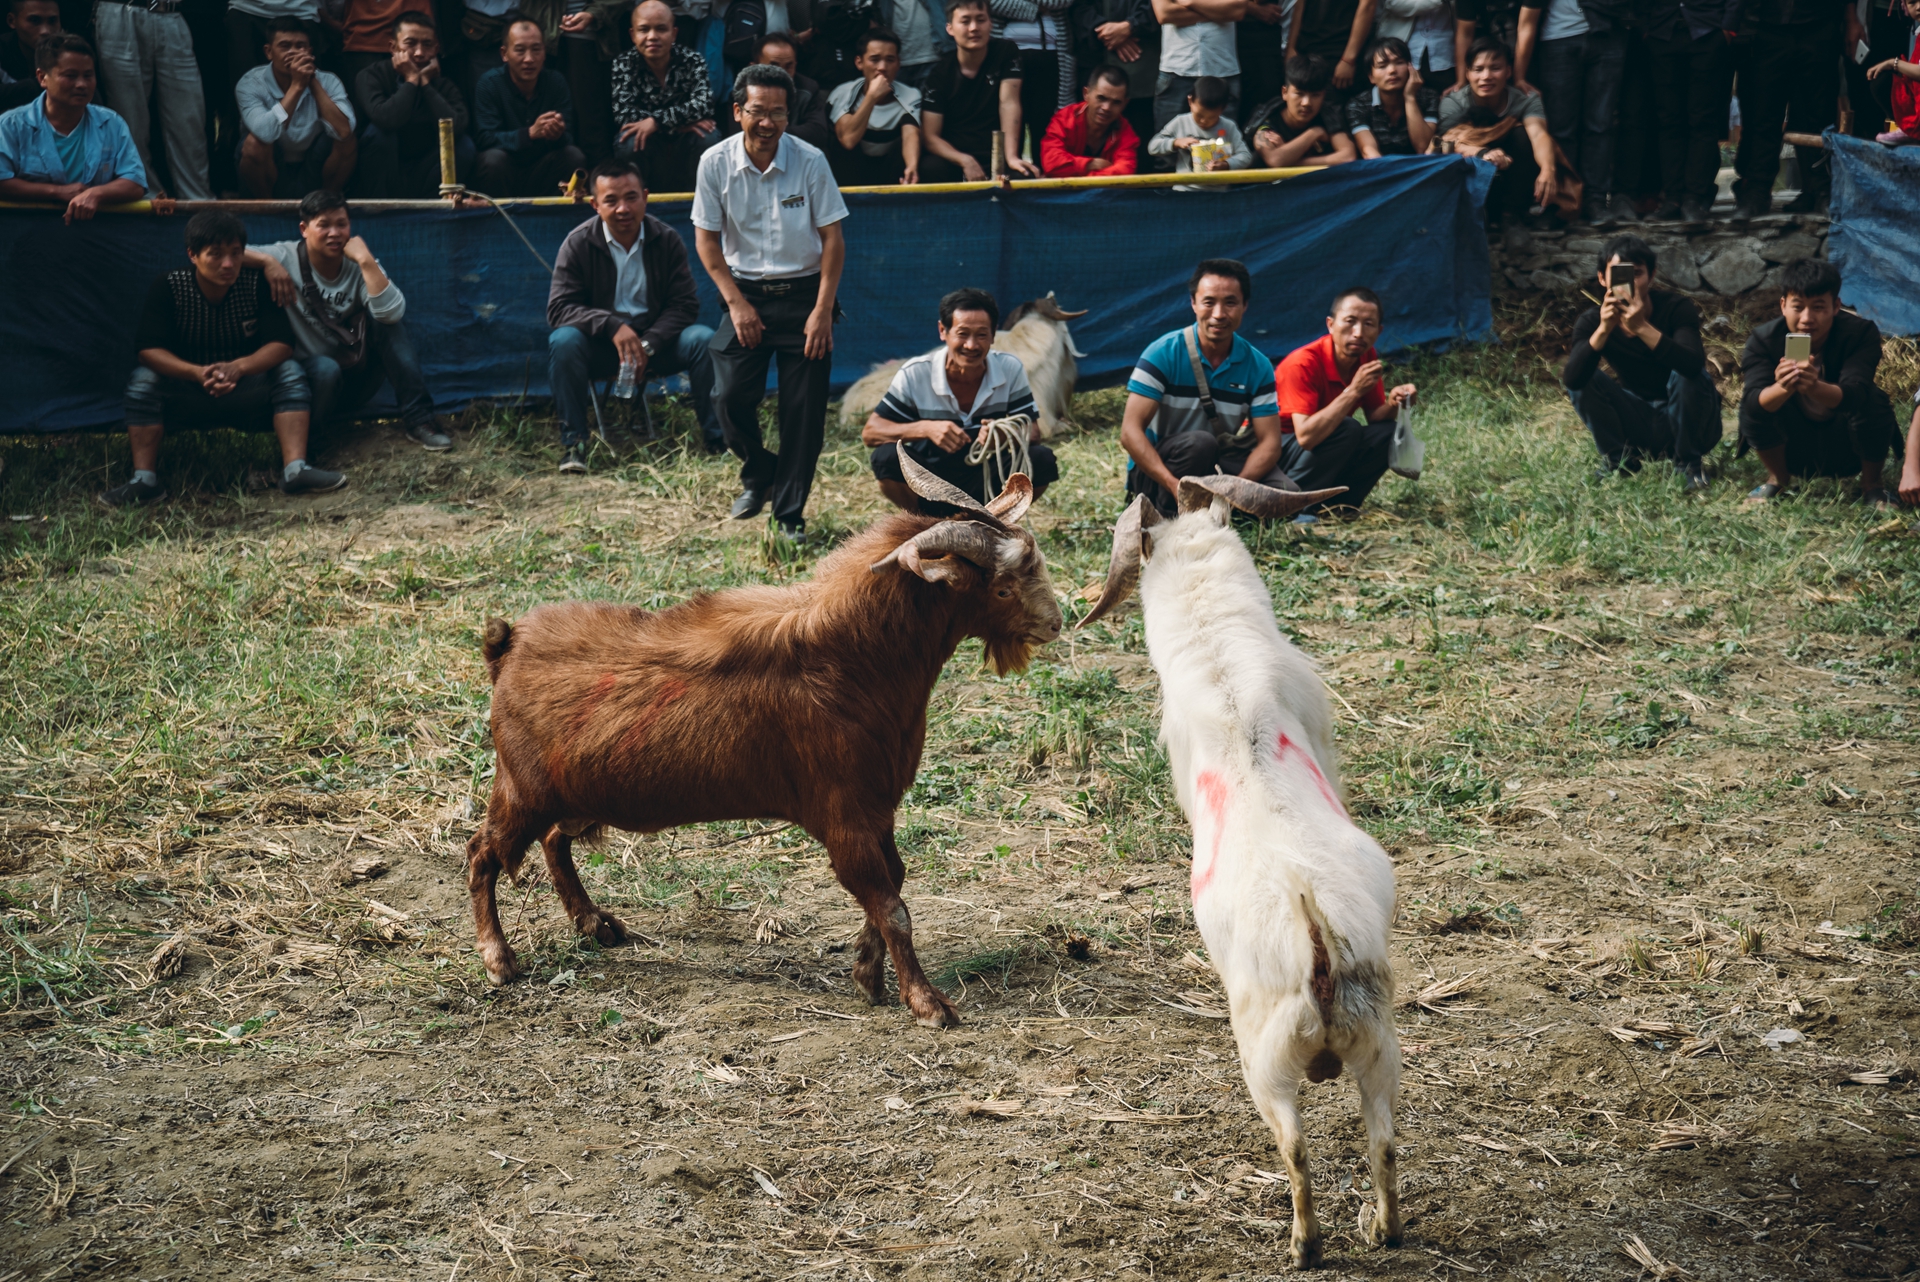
x,y
1196,39
766,217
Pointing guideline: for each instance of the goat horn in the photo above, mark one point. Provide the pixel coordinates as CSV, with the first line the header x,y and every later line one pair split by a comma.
x,y
1015,497
1050,308
967,540
1263,501
929,486
1123,567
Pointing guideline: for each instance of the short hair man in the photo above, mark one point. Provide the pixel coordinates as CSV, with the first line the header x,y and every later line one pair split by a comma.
x,y
215,351
778,272
1336,418
146,55
937,403
28,23
971,92
663,104
1167,429
1092,136
1659,401
623,292
63,149
1822,416
404,98
523,119
1196,39
298,120
876,119
1301,127
809,121
349,329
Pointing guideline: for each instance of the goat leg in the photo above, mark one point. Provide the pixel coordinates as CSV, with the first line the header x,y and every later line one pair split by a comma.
x,y
484,866
870,966
588,919
1379,1083
1273,1079
895,924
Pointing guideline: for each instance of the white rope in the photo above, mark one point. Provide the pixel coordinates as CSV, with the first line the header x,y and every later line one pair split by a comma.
x,y
1001,446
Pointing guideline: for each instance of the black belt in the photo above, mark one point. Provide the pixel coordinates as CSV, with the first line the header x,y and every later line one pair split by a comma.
x,y
152,6
779,288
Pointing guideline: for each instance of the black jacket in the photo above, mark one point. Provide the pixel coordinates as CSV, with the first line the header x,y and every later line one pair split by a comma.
x,y
1641,370
584,280
1850,358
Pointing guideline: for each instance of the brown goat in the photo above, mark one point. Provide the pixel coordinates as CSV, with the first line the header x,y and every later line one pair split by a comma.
x,y
805,703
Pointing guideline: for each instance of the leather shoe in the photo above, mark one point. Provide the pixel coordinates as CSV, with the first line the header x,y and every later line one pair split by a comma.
x,y
748,505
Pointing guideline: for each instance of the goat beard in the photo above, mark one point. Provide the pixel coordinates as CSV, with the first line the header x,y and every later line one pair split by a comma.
x,y
1010,654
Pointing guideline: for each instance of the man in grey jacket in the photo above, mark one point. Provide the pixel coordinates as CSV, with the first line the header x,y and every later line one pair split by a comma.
x,y
348,320
623,294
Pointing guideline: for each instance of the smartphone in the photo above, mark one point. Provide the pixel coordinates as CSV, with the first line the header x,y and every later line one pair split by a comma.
x,y
1799,347
1860,52
1620,280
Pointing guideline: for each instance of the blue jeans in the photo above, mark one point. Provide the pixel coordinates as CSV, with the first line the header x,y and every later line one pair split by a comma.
x,y
1683,426
1579,77
575,358
390,359
249,407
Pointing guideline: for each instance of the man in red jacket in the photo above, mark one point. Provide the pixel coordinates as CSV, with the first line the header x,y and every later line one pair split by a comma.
x,y
1092,137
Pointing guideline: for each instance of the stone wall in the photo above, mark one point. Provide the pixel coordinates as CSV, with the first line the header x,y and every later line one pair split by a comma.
x,y
1720,259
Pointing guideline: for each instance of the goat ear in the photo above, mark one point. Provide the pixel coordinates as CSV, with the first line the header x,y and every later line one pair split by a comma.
x,y
1015,497
943,569
1263,501
1130,542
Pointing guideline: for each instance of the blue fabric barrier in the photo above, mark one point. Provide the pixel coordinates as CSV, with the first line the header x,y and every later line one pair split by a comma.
x,y
1874,229
476,299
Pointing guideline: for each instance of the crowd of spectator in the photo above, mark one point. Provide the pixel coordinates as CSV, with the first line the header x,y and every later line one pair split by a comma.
x,y
1608,111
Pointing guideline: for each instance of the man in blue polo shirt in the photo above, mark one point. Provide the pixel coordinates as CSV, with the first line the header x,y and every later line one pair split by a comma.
x,y
60,148
1201,398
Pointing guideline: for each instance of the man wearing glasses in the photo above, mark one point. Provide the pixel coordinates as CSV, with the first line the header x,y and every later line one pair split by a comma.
x,y
766,217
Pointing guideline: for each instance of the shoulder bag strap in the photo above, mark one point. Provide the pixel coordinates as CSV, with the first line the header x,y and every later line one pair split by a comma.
x,y
1223,430
350,334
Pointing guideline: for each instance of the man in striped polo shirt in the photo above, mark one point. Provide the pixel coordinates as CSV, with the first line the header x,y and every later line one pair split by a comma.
x,y
1201,398
938,403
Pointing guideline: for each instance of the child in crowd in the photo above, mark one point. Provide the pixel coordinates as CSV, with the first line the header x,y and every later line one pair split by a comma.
x,y
1299,127
1204,127
1906,88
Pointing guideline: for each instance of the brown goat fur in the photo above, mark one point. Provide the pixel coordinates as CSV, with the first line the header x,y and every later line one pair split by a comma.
x,y
806,703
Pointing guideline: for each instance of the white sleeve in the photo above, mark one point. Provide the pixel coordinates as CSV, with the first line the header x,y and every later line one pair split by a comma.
x,y
708,211
828,205
389,306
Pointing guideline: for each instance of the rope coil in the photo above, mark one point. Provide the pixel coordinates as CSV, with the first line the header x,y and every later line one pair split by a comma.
x,y
1002,446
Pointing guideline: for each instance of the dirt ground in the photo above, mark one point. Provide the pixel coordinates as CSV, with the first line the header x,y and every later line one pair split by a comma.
x,y
294,1065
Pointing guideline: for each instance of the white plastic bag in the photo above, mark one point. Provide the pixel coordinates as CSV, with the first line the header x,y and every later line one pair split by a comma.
x,y
1409,452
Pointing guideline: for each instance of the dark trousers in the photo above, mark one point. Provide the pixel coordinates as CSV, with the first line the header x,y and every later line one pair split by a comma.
x,y
857,169
590,81
970,478
1579,77
1872,100
1511,194
1691,80
938,169
1263,64
1789,80
1190,454
384,172
499,172
338,393
1833,446
575,359
740,383
1682,426
1039,95
1353,455
669,160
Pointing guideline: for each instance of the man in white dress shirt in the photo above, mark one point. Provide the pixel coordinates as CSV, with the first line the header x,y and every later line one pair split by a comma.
x,y
766,217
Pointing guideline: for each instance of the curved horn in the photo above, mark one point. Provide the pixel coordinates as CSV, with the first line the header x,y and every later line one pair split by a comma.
x,y
968,540
1015,497
1050,308
929,486
1262,501
1123,567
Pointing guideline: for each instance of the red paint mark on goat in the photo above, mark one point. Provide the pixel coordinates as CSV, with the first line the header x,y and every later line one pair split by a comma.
x,y
1286,746
557,756
670,691
1214,791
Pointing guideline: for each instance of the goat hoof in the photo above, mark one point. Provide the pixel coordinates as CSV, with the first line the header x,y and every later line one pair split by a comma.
x,y
872,983
931,1010
1306,1253
605,928
502,967
1375,1230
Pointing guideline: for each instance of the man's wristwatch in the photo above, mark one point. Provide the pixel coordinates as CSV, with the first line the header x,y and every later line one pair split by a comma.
x,y
646,346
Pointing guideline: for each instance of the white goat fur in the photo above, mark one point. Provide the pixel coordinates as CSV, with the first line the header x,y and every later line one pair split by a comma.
x,y
1273,849
1045,347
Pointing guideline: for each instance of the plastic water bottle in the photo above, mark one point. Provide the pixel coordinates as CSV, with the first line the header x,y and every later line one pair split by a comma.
x,y
623,387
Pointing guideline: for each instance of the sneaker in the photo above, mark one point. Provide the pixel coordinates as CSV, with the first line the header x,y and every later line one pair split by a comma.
x,y
1306,518
576,459
133,494
312,480
428,435
1692,211
1765,492
1692,476
1895,138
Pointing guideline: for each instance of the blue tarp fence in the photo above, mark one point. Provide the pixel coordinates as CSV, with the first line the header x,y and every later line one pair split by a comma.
x,y
1409,228
1874,235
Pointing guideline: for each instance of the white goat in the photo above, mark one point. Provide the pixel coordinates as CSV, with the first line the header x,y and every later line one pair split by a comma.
x,y
1295,902
1036,332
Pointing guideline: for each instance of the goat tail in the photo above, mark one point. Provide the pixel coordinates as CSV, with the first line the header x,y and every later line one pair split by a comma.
x,y
495,639
1325,1065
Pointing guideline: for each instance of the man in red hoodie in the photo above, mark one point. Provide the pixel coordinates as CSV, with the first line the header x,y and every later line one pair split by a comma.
x,y
1092,137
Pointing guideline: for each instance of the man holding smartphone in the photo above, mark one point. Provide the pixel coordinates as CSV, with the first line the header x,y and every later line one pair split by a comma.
x,y
1810,405
1659,401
